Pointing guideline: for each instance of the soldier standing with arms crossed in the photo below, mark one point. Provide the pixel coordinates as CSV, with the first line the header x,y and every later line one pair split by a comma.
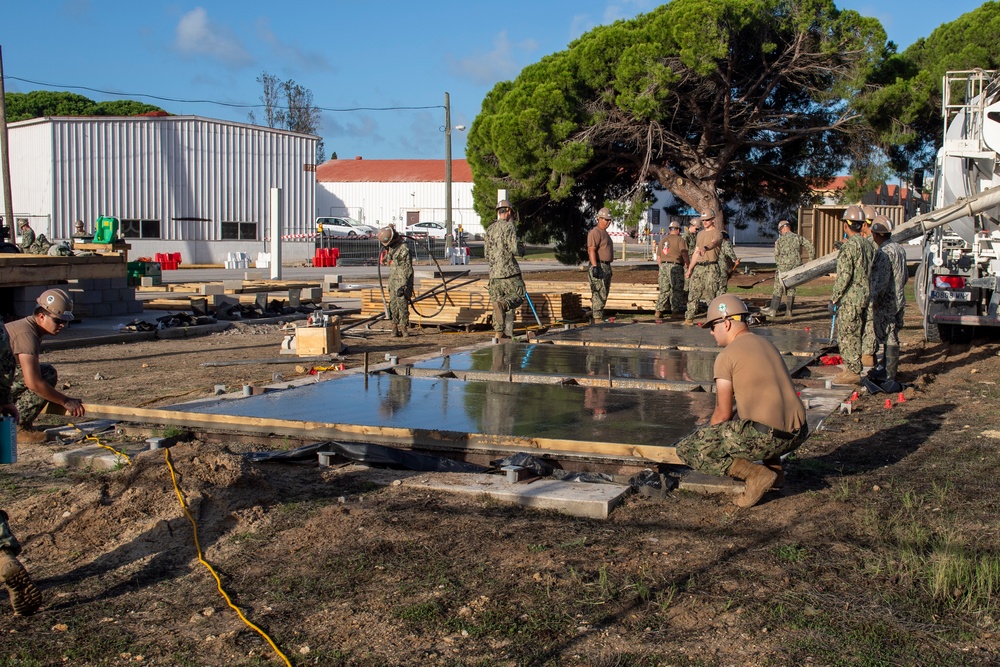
x,y
671,257
703,268
600,252
24,596
851,292
787,256
888,299
397,255
506,286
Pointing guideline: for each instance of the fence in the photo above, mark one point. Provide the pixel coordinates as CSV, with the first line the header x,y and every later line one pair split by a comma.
x,y
365,251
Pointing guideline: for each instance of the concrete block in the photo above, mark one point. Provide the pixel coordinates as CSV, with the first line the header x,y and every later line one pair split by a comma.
x,y
96,458
211,288
135,308
117,283
253,275
312,294
232,284
100,309
29,293
119,307
86,297
331,281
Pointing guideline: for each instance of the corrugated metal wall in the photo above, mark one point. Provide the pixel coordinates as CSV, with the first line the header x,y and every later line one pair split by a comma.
x,y
823,225
189,173
379,203
31,177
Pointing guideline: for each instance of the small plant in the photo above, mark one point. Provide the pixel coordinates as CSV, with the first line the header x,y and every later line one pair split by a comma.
x,y
537,548
420,613
792,553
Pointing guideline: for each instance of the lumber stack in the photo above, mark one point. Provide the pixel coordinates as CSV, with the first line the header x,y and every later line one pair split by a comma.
x,y
624,297
471,305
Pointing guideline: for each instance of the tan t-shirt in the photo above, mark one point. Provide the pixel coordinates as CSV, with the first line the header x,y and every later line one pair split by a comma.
x,y
600,239
708,237
671,249
25,338
761,383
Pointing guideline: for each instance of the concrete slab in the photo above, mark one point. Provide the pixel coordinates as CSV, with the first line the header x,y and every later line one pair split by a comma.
x,y
591,501
93,457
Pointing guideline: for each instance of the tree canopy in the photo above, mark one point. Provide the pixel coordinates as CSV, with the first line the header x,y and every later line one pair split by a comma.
x,y
905,107
743,96
42,103
289,106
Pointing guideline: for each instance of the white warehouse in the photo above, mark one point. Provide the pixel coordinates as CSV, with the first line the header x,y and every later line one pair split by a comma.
x,y
401,192
186,184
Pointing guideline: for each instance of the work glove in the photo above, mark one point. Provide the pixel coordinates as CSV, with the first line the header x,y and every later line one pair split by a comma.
x,y
596,273
832,307
401,291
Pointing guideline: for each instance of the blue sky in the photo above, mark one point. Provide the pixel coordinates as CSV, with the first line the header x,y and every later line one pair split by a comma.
x,y
350,53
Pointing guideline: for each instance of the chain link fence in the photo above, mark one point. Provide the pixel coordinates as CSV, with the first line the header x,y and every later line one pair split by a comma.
x,y
364,251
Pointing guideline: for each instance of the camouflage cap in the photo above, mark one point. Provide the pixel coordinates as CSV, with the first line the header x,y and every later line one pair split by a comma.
x,y
56,303
723,306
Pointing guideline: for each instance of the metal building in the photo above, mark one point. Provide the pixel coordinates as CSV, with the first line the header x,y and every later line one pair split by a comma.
x,y
401,192
186,184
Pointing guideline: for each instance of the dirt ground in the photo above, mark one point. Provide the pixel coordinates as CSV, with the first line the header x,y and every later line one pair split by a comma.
x,y
882,548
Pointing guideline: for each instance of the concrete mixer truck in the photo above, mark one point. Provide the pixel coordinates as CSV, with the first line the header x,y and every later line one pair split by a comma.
x,y
957,285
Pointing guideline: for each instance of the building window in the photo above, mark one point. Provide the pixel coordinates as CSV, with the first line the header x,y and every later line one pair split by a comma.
x,y
239,231
140,229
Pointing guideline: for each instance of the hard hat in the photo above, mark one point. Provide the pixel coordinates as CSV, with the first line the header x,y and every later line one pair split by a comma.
x,y
723,306
784,223
502,204
386,235
604,214
854,214
708,214
869,212
693,222
57,304
674,225
881,225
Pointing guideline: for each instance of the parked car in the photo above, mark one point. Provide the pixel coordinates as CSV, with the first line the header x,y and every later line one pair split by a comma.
x,y
434,230
343,227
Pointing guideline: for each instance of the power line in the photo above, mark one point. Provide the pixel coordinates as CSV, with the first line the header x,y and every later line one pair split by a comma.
x,y
223,104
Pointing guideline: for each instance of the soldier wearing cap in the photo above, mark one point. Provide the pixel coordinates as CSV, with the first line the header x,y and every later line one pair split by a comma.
x,y
24,596
397,256
851,293
888,300
703,267
27,235
868,333
506,286
600,252
34,382
749,375
787,256
671,256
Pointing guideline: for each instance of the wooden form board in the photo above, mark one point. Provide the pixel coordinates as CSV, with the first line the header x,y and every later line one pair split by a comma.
x,y
392,436
25,270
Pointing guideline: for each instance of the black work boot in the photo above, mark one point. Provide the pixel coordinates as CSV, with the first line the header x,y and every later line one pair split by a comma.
x,y
791,304
772,310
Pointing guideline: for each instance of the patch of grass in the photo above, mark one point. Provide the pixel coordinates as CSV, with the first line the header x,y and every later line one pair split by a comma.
x,y
421,613
537,548
791,553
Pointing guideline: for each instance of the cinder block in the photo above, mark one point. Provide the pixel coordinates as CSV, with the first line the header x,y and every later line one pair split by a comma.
x,y
232,284
29,293
99,309
312,294
135,307
90,296
119,308
117,283
211,288
253,275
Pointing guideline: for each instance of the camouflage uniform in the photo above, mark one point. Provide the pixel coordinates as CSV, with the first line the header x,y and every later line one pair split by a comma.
x,y
8,363
703,284
691,240
727,260
599,289
506,286
868,335
851,295
787,256
400,275
888,281
711,449
672,293
27,239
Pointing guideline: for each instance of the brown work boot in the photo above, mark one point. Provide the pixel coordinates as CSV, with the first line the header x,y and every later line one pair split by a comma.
x,y
404,331
29,434
756,478
868,360
847,377
657,315
688,322
395,330
774,465
25,597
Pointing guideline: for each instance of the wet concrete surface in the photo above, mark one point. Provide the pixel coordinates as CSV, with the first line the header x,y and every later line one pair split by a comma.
x,y
674,335
566,360
588,414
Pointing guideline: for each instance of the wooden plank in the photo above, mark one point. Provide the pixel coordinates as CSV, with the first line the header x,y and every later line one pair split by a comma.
x,y
393,436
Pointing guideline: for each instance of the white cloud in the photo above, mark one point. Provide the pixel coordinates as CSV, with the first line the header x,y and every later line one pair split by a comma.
x,y
199,36
497,65
295,57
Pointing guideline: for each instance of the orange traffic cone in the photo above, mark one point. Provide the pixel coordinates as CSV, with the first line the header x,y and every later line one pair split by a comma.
x,y
888,403
853,397
901,398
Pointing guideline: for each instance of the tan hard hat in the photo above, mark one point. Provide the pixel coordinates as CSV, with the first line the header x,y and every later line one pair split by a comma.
x,y
708,214
674,225
784,223
881,225
869,212
22,222
386,235
604,214
56,303
502,204
854,214
723,306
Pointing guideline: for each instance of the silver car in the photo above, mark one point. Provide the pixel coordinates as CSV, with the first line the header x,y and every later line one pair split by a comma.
x,y
343,227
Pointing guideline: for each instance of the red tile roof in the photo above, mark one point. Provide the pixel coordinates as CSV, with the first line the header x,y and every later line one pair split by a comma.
x,y
838,183
391,171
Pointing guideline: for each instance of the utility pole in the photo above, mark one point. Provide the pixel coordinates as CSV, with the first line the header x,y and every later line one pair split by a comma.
x,y
448,238
8,199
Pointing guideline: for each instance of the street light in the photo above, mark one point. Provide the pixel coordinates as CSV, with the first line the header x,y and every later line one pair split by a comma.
x,y
448,238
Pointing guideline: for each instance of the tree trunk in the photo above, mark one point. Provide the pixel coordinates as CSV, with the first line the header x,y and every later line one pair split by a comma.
x,y
700,195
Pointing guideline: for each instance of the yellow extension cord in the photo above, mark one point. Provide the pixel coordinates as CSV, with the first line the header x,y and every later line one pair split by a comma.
x,y
197,544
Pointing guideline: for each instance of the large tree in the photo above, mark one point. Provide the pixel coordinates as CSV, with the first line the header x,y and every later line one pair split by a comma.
x,y
905,109
742,97
289,106
41,103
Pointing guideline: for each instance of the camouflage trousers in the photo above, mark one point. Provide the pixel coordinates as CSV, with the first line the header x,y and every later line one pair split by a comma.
x,y
868,343
779,292
30,404
8,542
723,286
702,285
711,449
850,329
399,306
672,296
887,328
599,288
508,293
